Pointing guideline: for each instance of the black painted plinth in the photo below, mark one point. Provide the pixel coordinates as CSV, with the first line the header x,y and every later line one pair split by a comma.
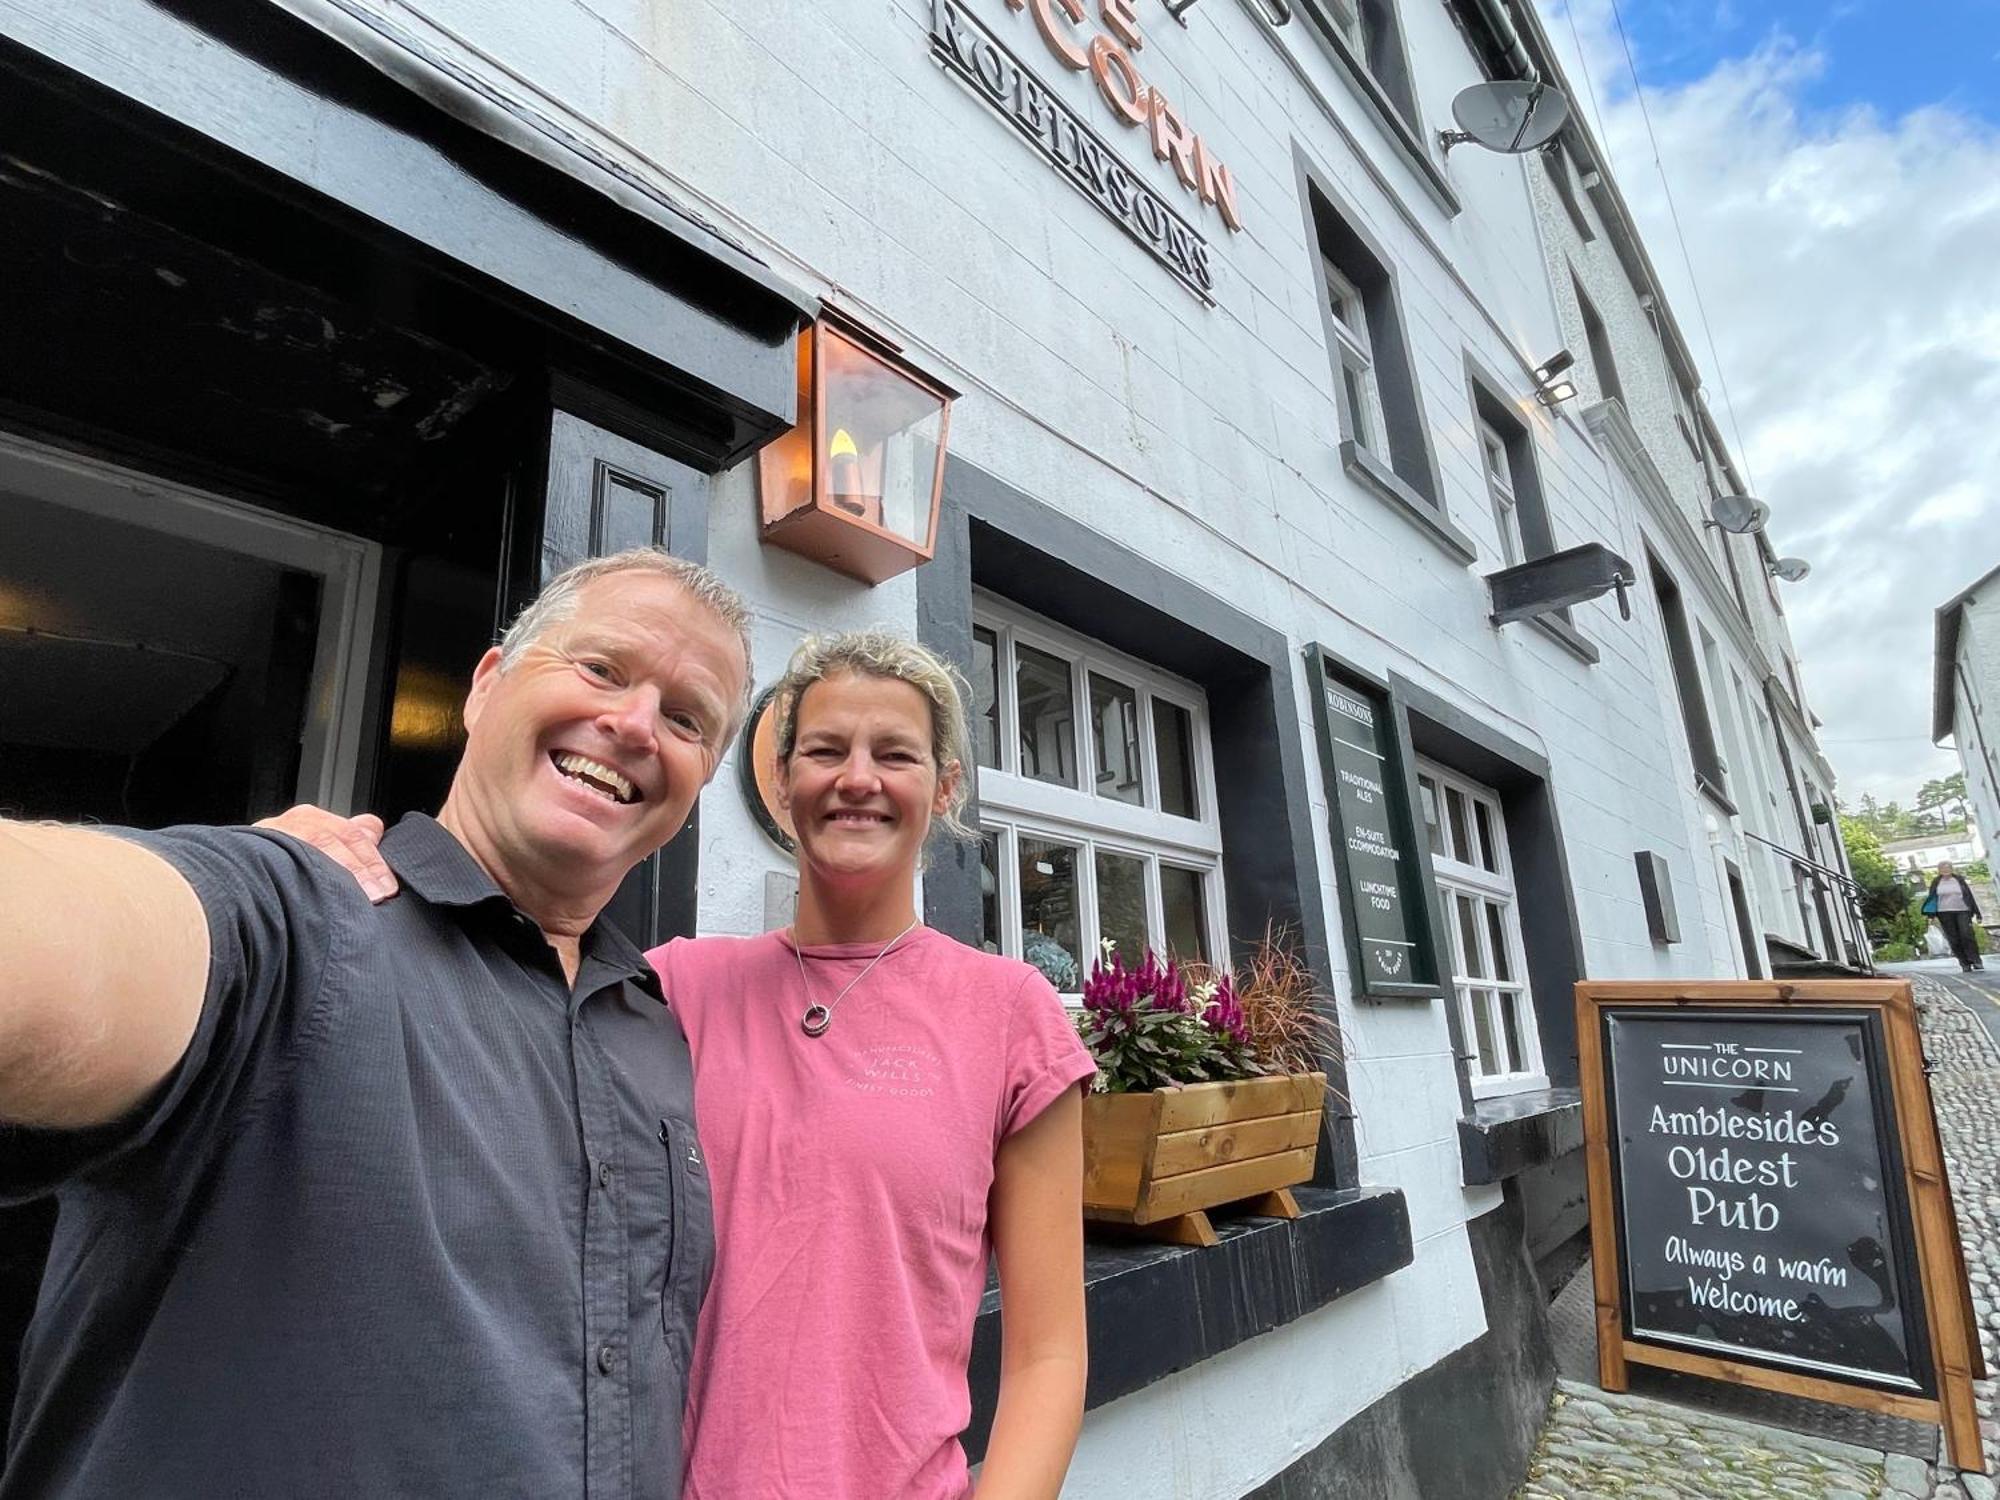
x,y
1155,1309
1508,1135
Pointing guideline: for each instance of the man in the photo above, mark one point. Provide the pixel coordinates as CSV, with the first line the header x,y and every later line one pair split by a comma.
x,y
396,1199
1951,901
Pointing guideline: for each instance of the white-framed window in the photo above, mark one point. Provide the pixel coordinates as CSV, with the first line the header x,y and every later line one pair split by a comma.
x,y
1096,801
1360,401
1500,486
1345,16
1475,877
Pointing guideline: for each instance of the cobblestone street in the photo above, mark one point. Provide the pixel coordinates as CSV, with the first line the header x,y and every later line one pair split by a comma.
x,y
1636,1448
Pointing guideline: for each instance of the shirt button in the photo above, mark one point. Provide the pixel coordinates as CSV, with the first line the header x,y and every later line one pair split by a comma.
x,y
604,1174
607,1358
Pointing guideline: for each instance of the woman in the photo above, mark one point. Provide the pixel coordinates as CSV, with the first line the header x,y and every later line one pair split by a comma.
x,y
879,1105
877,1102
1951,901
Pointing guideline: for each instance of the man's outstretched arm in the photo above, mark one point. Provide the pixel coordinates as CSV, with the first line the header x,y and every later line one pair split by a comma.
x,y
103,963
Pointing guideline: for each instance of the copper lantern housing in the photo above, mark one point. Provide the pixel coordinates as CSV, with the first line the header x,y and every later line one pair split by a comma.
x,y
856,484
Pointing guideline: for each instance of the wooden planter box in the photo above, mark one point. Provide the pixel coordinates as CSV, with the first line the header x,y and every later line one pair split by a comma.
x,y
1156,1161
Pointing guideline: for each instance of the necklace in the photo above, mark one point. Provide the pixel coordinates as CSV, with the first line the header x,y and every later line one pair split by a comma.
x,y
818,1017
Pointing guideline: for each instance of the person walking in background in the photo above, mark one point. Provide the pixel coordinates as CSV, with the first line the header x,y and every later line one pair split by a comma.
x,y
1951,901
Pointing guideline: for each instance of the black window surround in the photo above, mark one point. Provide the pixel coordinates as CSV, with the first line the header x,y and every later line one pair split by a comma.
x,y
1382,82
995,537
1708,773
1487,395
1440,731
1155,1309
1406,476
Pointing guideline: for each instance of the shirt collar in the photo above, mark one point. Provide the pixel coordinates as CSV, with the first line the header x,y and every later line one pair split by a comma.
x,y
428,858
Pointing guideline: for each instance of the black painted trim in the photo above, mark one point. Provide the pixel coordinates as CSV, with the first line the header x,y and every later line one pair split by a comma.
x,y
993,536
1154,1309
1376,477
1445,733
742,327
1513,1132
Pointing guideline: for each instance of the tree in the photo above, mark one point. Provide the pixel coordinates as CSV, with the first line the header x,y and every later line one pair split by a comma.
x,y
1943,796
1885,900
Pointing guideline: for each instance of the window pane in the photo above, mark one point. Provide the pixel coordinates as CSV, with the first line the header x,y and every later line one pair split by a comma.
x,y
1454,806
1468,934
1184,911
1354,385
1497,931
1510,1025
1050,939
1114,722
1488,859
1482,1032
989,892
1048,727
1173,747
1427,793
1121,904
986,696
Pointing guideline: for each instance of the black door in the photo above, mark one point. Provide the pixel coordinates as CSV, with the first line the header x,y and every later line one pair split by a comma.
x,y
605,493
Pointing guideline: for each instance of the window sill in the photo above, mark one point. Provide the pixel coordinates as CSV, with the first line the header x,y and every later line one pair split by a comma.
x,y
1714,794
1508,1134
1567,636
1373,475
1155,1309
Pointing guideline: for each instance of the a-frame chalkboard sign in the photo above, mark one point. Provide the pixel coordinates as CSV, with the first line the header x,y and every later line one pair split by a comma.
x,y
1768,1202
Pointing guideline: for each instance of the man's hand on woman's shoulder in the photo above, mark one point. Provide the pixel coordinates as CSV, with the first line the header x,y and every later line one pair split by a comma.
x,y
352,843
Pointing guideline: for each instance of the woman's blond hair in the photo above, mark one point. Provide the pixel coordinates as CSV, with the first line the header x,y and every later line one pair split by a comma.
x,y
895,658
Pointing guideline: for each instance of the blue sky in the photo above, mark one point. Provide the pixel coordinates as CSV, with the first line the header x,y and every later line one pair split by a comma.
x,y
1895,55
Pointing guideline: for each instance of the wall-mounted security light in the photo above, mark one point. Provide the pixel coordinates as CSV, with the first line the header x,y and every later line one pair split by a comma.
x,y
1509,115
1791,569
1551,389
1738,514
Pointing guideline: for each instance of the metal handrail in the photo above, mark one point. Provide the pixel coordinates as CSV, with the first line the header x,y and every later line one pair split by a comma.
x,y
1799,859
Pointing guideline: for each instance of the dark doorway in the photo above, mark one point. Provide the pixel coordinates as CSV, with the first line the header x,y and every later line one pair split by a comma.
x,y
1746,930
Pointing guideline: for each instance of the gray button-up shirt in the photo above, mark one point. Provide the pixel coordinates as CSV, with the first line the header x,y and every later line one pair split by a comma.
x,y
412,1217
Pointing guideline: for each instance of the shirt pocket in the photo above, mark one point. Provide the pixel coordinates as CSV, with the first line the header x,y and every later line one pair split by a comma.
x,y
690,1246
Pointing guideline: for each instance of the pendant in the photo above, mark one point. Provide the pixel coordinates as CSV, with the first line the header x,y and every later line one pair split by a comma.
x,y
816,1019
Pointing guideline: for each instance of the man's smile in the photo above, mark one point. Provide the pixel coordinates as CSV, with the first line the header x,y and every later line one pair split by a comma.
x,y
594,774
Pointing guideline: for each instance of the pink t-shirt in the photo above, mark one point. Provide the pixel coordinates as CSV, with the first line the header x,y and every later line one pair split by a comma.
x,y
850,1175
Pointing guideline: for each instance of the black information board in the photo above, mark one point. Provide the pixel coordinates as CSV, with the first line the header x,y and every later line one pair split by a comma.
x,y
1760,1192
1382,883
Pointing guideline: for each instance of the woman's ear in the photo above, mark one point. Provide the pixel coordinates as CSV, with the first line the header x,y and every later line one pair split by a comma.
x,y
947,788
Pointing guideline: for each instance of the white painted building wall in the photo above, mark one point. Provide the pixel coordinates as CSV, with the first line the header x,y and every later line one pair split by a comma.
x,y
826,138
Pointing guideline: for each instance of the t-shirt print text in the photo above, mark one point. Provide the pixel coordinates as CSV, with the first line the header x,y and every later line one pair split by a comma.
x,y
897,1072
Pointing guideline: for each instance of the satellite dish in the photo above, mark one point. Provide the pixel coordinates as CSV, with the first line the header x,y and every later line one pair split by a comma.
x,y
1508,114
1791,569
1739,514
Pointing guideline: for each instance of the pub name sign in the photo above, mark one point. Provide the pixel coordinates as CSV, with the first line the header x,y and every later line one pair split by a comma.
x,y
965,47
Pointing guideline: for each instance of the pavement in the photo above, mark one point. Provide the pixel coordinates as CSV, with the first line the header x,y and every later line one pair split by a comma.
x,y
1643,1447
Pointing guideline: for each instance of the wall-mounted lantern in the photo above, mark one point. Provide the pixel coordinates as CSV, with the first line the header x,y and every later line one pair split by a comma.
x,y
855,485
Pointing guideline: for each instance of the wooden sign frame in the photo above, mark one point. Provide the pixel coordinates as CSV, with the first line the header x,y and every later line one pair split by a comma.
x,y
1954,1359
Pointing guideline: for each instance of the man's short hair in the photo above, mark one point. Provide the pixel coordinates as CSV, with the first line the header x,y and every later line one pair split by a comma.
x,y
557,602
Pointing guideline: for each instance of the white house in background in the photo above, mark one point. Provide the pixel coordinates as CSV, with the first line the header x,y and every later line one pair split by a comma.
x,y
1965,692
1924,851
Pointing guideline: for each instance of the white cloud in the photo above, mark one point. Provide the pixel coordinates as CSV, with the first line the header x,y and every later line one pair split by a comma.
x,y
1850,264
